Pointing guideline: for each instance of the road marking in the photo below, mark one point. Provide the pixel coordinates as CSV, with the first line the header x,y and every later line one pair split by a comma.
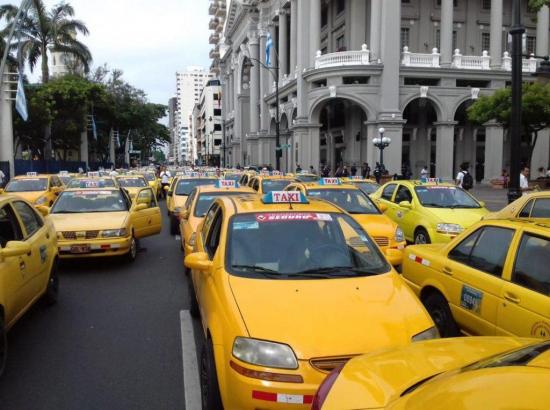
x,y
191,383
177,238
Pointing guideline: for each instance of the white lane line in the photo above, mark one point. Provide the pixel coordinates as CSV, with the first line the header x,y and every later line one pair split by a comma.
x,y
177,238
191,381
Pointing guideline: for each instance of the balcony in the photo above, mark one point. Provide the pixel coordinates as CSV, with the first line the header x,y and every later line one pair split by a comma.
x,y
213,24
343,58
213,8
409,59
214,38
222,9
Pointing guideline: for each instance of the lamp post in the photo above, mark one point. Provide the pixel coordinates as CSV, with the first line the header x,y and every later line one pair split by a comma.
x,y
381,142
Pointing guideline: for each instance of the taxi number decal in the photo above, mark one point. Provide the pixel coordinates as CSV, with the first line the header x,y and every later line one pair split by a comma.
x,y
85,193
293,217
471,298
43,254
241,226
540,329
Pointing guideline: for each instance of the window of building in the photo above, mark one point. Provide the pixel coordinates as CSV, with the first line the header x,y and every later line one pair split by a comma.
x,y
485,41
217,127
340,6
217,143
341,43
531,44
405,37
217,112
486,4
324,15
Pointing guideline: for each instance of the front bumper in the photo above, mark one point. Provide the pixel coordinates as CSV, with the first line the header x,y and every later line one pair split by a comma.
x,y
97,248
437,237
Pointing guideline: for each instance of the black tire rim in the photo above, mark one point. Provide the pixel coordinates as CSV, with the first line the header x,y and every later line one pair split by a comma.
x,y
204,379
439,317
420,239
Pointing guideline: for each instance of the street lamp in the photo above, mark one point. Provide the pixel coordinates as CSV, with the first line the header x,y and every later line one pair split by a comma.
x,y
381,142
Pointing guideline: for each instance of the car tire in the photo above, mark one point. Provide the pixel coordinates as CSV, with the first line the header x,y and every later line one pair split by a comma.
x,y
174,225
132,253
421,237
194,310
3,345
52,290
438,308
210,390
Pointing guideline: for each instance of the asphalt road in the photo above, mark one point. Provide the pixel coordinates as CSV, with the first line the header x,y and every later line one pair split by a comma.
x,y
113,341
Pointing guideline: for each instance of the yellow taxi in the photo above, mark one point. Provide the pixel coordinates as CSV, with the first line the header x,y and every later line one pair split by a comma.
x,y
535,205
246,176
269,182
288,288
198,203
132,183
429,211
368,186
491,280
66,177
93,182
28,263
102,222
178,192
153,182
386,233
307,177
497,373
36,188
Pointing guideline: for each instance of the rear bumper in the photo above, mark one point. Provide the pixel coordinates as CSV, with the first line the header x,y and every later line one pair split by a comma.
x,y
97,248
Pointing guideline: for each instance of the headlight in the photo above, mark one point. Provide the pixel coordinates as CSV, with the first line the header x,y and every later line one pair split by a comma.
x,y
192,239
263,353
449,228
113,233
431,333
41,201
399,235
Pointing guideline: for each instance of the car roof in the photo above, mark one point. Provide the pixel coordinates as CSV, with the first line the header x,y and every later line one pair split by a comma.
x,y
92,189
254,203
520,223
213,188
269,177
33,176
319,186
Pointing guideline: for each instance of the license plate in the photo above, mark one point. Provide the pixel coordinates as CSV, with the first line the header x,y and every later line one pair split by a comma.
x,y
80,249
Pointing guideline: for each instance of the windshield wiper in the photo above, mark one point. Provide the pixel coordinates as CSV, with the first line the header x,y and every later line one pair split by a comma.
x,y
260,269
332,271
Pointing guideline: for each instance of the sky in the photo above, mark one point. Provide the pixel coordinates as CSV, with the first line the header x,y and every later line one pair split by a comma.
x,y
148,40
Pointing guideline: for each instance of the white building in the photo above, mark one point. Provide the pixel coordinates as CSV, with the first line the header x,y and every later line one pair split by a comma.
x,y
207,130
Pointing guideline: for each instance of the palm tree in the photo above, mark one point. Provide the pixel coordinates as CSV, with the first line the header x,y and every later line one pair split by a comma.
x,y
7,12
54,30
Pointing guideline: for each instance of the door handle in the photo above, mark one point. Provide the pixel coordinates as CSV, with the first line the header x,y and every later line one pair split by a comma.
x,y
22,265
511,297
447,271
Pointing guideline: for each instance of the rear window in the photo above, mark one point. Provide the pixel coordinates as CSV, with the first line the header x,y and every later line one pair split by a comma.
x,y
207,199
27,185
185,186
271,185
353,201
132,182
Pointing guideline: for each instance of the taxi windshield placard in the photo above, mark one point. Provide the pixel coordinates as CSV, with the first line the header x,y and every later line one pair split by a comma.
x,y
226,183
330,181
293,216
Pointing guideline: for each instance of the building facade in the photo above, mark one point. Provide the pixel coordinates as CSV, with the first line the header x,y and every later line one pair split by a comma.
x,y
347,68
172,147
208,132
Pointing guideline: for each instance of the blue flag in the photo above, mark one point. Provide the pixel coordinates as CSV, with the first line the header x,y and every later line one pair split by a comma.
x,y
21,100
94,128
268,47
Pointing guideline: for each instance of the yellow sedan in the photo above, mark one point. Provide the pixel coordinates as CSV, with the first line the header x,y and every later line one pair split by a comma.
x,y
288,289
496,373
28,263
35,188
132,183
104,222
491,280
429,212
535,205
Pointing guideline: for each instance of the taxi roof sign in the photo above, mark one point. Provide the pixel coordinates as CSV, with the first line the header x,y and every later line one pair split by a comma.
x,y
93,174
330,181
63,172
356,178
430,180
285,197
227,183
32,174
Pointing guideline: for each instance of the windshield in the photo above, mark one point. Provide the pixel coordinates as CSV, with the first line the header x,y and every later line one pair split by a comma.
x,y
185,186
445,197
302,245
307,178
27,185
92,183
65,179
132,182
367,187
233,177
71,202
149,177
205,200
270,185
352,201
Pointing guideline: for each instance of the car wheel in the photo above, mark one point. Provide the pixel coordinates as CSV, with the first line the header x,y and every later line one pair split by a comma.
x,y
3,345
174,225
421,237
132,253
52,290
210,390
438,308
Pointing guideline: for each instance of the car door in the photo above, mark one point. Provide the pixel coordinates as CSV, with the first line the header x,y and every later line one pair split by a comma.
x,y
525,307
185,226
387,194
147,221
473,276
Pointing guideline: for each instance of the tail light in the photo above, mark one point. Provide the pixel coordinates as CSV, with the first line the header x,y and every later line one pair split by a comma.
x,y
324,388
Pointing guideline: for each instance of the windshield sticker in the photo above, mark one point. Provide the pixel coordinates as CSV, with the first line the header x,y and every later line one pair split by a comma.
x,y
540,329
91,184
450,188
85,193
314,193
470,299
293,216
249,225
207,198
31,179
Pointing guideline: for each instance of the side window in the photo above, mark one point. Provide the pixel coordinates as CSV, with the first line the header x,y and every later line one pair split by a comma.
x,y
387,193
490,250
190,199
526,211
541,209
146,196
462,252
213,236
57,182
208,219
9,226
403,194
31,221
256,185
532,261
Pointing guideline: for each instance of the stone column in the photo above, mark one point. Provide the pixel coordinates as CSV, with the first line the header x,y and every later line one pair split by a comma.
x,y
375,28
265,79
444,150
6,127
254,83
543,26
84,147
293,37
112,153
391,55
446,32
494,147
496,34
303,56
315,30
357,31
283,44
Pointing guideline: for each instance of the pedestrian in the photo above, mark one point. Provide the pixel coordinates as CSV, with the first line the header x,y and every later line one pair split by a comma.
x,y
542,173
312,170
2,178
524,180
338,172
424,172
464,179
345,172
326,171
377,173
298,169
164,180
367,171
353,170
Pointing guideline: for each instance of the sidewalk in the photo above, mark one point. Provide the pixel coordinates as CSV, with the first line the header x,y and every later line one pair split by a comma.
x,y
495,199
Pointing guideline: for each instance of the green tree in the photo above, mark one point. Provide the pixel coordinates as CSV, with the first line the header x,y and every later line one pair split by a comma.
x,y
535,5
498,107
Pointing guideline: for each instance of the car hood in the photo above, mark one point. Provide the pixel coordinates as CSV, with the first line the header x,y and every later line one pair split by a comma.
x,y
377,225
88,222
373,381
342,316
29,196
462,217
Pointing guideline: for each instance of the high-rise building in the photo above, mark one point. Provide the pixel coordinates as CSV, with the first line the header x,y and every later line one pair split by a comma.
x,y
172,111
207,125
189,87
218,10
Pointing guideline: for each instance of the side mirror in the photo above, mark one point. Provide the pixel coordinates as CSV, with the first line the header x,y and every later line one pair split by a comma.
x,y
184,215
482,203
198,261
383,207
394,256
44,210
405,204
15,248
141,207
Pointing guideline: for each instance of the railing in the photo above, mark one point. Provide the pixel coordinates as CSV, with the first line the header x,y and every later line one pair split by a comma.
x,y
420,59
482,62
343,58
